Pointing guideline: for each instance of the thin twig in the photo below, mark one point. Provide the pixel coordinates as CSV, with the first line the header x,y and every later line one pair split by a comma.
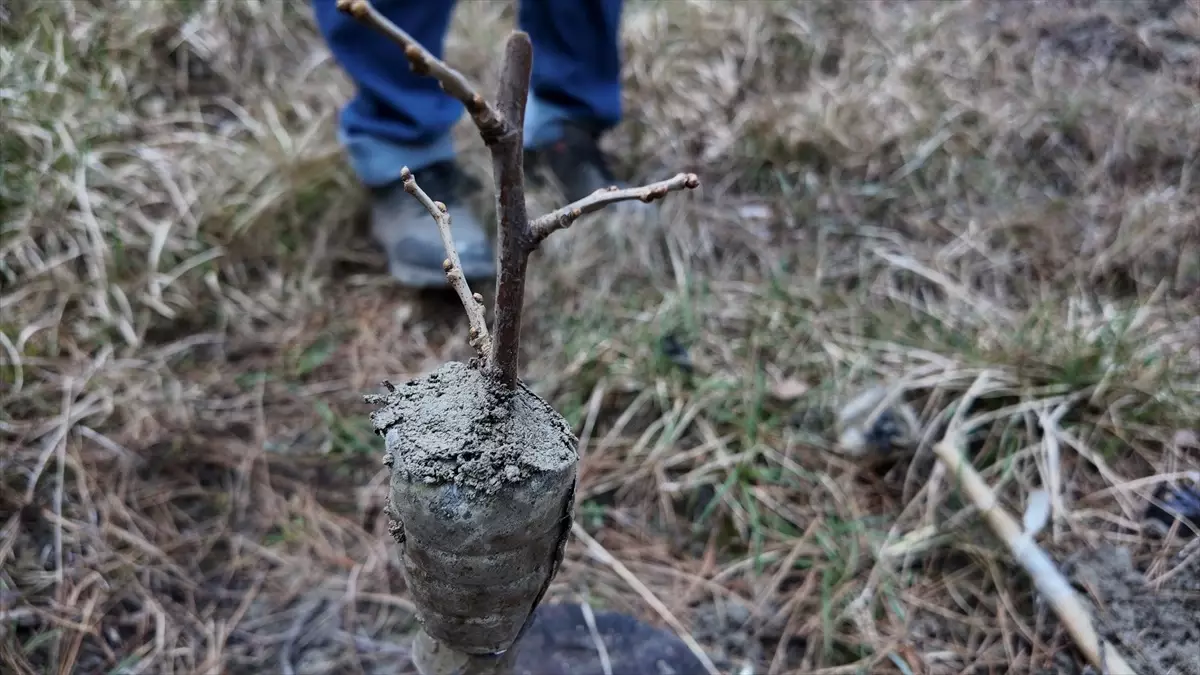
x,y
564,217
472,302
485,116
1037,563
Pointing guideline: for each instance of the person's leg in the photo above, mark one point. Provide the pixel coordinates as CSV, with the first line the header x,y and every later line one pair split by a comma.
x,y
576,66
396,119
575,90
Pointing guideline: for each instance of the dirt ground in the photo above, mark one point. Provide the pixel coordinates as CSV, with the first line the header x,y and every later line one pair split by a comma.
x,y
1153,622
909,193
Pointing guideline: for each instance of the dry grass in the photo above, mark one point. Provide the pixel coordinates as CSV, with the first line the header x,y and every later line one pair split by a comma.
x,y
906,192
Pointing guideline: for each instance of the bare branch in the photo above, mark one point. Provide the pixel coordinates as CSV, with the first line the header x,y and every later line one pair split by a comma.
x,y
512,232
501,127
563,218
472,302
489,120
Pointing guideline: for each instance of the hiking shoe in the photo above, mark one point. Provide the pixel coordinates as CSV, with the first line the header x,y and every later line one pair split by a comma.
x,y
577,165
409,234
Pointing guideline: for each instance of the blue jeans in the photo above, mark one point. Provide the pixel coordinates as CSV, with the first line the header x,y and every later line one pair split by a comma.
x,y
402,119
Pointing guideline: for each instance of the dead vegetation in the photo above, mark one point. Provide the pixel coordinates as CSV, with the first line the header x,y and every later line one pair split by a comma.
x,y
910,193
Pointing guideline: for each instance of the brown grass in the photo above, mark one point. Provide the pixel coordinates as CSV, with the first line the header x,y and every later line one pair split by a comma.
x,y
907,192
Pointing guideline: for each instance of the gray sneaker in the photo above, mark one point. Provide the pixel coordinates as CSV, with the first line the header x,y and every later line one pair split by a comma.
x,y
409,235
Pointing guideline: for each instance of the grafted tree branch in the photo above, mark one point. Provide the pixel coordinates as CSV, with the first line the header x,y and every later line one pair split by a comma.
x,y
501,127
512,233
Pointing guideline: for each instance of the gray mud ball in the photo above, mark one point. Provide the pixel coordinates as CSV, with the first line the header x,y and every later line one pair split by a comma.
x,y
481,496
559,642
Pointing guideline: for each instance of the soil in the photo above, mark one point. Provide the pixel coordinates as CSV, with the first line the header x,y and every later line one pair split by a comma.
x,y
451,426
1156,629
560,642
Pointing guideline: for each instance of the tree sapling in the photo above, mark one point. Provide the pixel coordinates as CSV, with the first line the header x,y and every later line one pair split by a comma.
x,y
483,471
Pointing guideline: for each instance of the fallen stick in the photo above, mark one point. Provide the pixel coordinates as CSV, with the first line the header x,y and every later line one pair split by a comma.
x,y
1037,563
